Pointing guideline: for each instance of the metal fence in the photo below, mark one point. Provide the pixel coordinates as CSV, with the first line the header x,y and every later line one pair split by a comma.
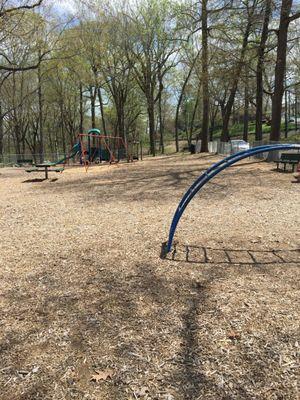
x,y
29,158
225,148
214,147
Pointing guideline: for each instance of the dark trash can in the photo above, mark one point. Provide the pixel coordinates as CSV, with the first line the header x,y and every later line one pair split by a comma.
x,y
193,149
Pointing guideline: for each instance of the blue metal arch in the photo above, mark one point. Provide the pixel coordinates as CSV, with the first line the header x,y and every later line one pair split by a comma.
x,y
213,171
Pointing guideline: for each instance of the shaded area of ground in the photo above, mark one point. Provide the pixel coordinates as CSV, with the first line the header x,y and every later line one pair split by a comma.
x,y
83,288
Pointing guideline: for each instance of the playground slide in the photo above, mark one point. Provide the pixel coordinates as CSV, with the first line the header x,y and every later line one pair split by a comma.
x,y
75,149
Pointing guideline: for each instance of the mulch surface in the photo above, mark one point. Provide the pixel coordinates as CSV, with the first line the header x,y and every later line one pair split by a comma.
x,y
89,310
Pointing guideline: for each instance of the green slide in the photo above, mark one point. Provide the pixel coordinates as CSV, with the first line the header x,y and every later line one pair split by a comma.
x,y
73,152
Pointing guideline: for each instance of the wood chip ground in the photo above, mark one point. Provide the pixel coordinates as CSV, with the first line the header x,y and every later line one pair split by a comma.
x,y
90,311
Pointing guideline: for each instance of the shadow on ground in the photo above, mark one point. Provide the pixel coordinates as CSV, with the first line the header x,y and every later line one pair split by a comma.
x,y
208,255
154,329
144,183
34,180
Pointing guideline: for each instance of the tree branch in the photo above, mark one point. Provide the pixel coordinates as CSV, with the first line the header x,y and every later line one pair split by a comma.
x,y
295,16
19,8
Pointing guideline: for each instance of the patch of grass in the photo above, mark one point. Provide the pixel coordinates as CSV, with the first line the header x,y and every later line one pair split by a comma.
x,y
236,132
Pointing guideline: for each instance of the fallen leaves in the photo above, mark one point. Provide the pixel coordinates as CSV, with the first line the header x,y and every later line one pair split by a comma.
x,y
234,335
102,375
141,392
164,326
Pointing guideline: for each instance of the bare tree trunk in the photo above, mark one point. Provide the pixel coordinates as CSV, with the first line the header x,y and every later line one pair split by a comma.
x,y
93,118
286,117
120,128
212,122
151,117
102,111
160,116
259,71
246,106
62,125
51,143
185,82
93,110
1,131
81,108
14,124
296,110
205,78
237,73
40,101
177,110
193,118
280,69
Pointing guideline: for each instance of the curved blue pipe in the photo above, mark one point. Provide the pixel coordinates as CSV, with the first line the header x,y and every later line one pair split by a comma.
x,y
214,166
196,184
213,171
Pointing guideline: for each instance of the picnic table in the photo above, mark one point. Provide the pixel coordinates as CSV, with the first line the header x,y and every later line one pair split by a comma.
x,y
45,167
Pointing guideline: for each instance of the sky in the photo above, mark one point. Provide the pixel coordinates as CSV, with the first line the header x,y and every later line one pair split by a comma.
x,y
63,6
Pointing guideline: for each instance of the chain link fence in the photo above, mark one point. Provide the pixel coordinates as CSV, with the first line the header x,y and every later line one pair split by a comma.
x,y
214,147
226,149
23,159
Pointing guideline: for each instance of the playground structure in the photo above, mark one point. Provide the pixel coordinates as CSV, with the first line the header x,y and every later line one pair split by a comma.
x,y
92,147
96,148
211,172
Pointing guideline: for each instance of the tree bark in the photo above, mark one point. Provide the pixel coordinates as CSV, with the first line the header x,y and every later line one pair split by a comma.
x,y
1,131
296,111
62,125
93,118
286,6
259,71
160,112
93,110
151,117
102,111
193,118
237,73
286,117
120,131
81,108
185,82
212,121
205,78
40,101
246,106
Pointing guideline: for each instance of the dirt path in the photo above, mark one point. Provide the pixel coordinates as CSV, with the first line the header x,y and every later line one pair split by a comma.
x,y
82,287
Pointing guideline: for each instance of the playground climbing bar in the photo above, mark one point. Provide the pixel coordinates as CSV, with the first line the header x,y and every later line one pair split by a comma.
x,y
212,172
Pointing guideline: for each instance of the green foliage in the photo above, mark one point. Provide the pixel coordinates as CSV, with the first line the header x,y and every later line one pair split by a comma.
x,y
129,64
236,132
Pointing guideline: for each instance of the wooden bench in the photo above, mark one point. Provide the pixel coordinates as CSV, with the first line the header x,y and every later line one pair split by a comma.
x,y
288,158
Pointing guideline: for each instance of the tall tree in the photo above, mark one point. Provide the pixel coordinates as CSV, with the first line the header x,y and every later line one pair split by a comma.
x,y
236,73
205,80
246,105
150,45
17,24
280,69
181,95
260,68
